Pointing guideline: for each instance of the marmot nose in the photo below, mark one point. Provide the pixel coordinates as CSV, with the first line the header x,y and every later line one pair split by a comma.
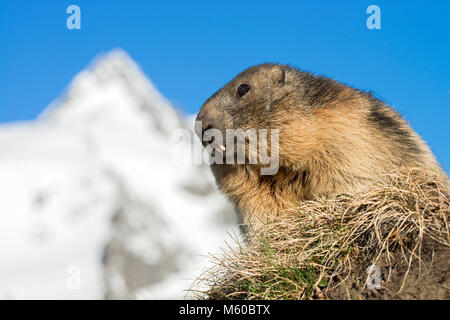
x,y
202,123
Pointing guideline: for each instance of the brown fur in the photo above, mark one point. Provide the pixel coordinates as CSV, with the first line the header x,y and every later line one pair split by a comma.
x,y
333,139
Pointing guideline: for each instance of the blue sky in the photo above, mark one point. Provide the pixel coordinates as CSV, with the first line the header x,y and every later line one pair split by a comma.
x,y
189,49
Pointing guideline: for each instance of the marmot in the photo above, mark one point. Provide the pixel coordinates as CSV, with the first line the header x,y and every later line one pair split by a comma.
x,y
333,139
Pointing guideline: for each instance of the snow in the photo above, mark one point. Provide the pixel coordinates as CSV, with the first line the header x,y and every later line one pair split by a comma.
x,y
106,145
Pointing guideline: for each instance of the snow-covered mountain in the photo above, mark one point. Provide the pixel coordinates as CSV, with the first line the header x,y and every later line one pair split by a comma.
x,y
98,199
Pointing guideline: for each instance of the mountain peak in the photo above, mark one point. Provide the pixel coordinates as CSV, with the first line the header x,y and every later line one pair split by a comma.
x,y
111,66
117,59
111,83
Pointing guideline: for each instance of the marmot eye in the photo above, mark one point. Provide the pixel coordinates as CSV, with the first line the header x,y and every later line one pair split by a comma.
x,y
242,90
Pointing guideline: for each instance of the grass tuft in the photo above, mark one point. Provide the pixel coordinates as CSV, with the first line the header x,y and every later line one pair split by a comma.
x,y
309,251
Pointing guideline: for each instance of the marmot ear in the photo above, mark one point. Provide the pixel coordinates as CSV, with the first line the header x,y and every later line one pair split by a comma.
x,y
278,76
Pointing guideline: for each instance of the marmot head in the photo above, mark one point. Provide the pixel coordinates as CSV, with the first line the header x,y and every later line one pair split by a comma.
x,y
271,97
257,98
247,100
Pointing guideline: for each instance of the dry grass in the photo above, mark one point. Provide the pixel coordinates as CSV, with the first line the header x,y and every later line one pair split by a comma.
x,y
314,248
